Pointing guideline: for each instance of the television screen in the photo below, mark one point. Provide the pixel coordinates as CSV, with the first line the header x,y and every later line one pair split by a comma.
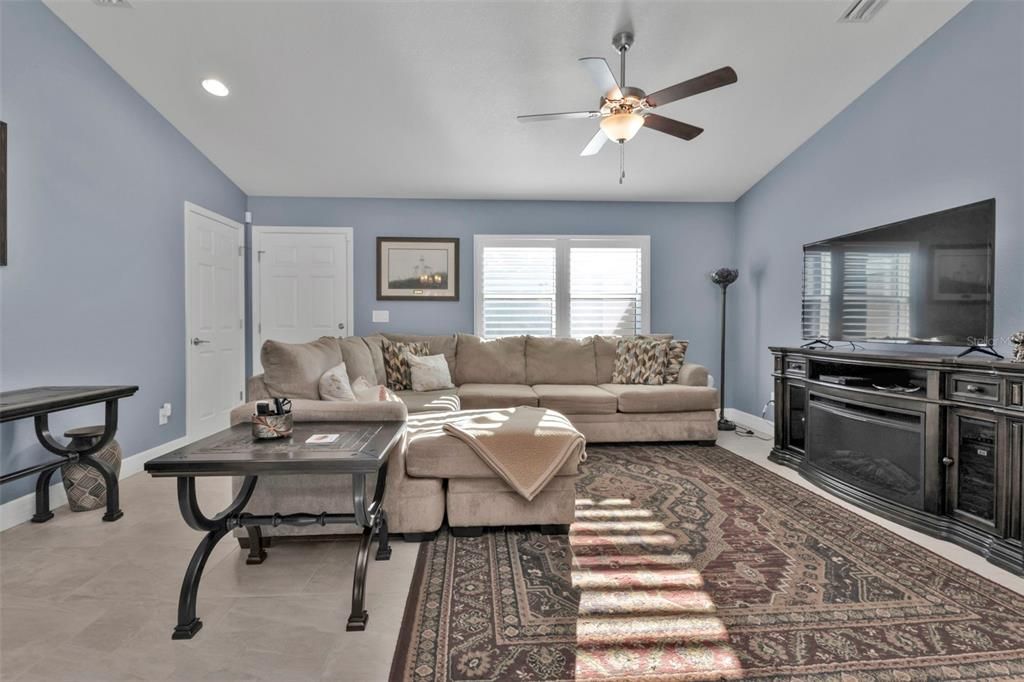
x,y
924,280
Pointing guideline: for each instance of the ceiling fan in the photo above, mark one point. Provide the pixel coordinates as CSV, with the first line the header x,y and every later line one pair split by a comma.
x,y
624,110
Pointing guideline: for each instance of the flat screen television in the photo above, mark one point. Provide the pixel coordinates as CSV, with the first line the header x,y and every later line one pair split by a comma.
x,y
926,280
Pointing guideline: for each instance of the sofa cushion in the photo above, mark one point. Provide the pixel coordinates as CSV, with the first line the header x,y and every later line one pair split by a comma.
x,y
441,344
432,453
576,399
668,398
445,400
560,361
293,370
358,360
494,361
491,396
375,345
640,361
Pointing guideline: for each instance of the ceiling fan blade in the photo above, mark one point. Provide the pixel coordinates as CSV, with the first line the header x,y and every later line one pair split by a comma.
x,y
694,86
555,117
672,127
603,76
595,144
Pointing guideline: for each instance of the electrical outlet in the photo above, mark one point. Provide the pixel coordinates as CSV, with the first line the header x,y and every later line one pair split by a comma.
x,y
771,398
164,414
381,316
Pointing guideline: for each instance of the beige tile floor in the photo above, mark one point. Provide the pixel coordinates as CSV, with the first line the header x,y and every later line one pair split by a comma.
x,y
85,600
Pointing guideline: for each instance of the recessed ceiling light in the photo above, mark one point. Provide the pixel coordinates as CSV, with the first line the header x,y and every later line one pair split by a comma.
x,y
215,87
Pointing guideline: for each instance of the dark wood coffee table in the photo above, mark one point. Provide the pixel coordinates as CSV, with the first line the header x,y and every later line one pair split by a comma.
x,y
363,448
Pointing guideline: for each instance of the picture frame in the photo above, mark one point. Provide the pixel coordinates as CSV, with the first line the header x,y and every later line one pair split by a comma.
x,y
417,269
960,274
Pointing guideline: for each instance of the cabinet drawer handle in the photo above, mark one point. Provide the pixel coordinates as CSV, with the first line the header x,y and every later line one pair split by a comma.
x,y
974,388
947,461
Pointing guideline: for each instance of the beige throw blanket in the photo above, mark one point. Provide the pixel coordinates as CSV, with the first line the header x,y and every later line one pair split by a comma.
x,y
526,446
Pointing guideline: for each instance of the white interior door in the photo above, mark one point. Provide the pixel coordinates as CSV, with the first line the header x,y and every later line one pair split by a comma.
x,y
303,285
214,318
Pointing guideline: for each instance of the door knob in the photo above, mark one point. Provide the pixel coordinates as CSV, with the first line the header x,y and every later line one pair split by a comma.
x,y
197,341
341,325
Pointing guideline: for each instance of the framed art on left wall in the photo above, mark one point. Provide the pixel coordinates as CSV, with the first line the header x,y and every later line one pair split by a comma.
x,y
3,193
417,268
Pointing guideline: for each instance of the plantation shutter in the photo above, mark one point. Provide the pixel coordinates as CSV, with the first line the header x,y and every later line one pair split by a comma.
x,y
606,290
876,294
518,291
817,294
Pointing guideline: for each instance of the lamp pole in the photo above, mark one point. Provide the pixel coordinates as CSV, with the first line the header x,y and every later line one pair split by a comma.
x,y
723,277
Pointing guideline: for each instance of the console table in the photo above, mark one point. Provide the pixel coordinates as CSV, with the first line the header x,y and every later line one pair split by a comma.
x,y
362,448
38,403
934,443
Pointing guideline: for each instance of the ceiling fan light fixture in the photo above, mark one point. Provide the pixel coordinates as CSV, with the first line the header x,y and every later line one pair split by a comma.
x,y
622,127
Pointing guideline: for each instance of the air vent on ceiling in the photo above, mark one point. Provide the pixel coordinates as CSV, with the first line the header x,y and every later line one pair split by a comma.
x,y
860,11
113,3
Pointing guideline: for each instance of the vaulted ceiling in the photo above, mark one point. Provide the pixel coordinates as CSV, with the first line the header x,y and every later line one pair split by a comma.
x,y
418,99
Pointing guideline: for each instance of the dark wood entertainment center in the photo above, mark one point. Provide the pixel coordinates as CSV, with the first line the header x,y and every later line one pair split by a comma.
x,y
946,459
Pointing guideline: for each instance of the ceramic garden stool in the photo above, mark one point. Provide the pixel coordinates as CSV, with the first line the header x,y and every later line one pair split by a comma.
x,y
85,487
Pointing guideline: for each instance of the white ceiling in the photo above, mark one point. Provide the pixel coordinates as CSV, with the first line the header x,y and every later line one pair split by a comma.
x,y
418,99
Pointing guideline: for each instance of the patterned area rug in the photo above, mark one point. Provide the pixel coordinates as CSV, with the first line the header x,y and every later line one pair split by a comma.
x,y
690,563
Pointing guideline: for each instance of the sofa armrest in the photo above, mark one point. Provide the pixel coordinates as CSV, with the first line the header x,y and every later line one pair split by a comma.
x,y
257,388
693,375
328,411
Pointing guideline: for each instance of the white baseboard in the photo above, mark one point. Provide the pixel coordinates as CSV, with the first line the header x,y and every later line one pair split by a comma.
x,y
758,424
21,509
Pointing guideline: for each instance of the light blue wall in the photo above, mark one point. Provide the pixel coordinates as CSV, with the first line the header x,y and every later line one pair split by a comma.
x,y
94,293
687,242
945,127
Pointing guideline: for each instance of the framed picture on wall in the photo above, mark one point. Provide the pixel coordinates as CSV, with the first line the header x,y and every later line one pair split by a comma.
x,y
417,268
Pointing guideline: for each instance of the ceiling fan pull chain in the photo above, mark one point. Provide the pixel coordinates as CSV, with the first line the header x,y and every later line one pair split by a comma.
x,y
622,162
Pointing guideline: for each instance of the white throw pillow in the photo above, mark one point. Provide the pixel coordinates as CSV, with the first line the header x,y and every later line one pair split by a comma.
x,y
334,385
371,393
429,372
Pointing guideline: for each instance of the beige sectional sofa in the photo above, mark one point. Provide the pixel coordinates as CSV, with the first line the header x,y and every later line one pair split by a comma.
x,y
431,476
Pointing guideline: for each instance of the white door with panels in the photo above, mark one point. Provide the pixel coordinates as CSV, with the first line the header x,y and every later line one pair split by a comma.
x,y
302,285
215,316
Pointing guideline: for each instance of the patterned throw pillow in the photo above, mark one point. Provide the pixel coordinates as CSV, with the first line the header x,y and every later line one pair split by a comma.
x,y
640,361
676,358
396,367
335,387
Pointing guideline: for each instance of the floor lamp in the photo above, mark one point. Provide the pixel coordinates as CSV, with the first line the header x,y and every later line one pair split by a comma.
x,y
723,277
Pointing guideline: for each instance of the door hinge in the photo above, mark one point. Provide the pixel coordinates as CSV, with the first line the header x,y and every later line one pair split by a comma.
x,y
259,327
241,324
241,250
240,396
259,256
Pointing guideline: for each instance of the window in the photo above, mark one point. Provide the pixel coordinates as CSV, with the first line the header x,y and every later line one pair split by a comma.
x,y
561,286
817,294
876,294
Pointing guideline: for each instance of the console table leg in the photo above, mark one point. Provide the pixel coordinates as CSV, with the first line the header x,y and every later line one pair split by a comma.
x,y
357,619
383,541
43,513
188,624
110,478
257,554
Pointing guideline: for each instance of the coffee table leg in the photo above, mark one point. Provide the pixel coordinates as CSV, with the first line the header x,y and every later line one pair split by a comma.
x,y
188,624
257,554
357,619
383,541
216,528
